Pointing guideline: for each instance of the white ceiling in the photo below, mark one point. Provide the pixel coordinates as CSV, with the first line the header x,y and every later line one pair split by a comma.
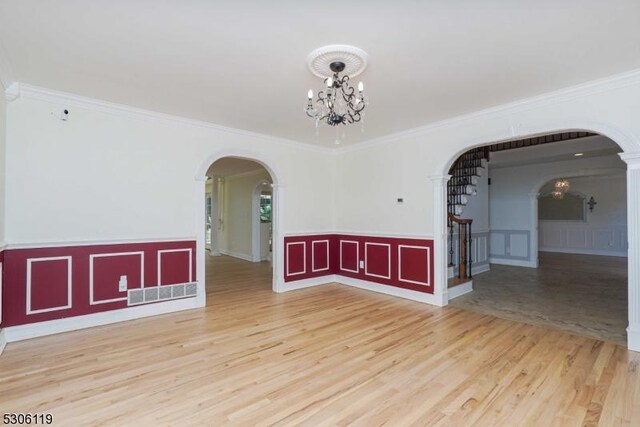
x,y
594,146
243,63
229,166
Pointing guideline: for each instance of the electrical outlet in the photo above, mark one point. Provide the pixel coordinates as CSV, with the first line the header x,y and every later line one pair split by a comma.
x,y
122,284
361,264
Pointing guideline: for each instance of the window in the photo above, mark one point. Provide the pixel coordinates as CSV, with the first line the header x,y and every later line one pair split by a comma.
x,y
265,207
570,208
208,221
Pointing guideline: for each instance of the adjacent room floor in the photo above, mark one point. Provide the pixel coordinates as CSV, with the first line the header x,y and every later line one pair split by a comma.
x,y
581,294
327,355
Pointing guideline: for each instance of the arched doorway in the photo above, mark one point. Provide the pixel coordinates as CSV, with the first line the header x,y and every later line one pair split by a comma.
x,y
274,184
633,284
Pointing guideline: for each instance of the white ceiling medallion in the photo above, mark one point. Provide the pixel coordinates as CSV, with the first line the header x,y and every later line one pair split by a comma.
x,y
354,59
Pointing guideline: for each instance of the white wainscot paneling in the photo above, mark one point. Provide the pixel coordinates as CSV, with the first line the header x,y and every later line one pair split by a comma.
x,y
577,238
552,237
497,244
603,239
519,245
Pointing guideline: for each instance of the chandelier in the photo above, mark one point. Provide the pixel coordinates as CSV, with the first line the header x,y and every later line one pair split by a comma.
x,y
562,185
337,103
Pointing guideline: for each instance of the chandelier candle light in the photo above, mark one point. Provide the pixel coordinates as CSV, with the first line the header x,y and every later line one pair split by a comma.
x,y
560,188
562,185
337,102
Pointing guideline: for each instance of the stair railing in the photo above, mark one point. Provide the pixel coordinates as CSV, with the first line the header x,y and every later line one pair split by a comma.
x,y
464,260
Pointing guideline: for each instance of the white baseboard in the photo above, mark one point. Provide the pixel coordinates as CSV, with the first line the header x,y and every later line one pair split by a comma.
x,y
3,340
239,255
480,269
50,327
391,290
461,289
633,337
306,283
513,262
476,269
585,252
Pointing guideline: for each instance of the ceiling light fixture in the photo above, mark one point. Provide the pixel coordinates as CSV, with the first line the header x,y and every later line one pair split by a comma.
x,y
579,154
337,102
562,185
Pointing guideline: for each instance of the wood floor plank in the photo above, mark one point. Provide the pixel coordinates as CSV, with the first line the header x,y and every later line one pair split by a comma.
x,y
323,356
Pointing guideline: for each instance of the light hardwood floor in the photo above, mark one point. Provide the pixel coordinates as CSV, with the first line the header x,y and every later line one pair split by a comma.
x,y
329,355
581,294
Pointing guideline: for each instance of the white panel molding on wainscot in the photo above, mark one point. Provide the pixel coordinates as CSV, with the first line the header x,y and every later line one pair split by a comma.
x,y
69,286
92,258
165,251
568,237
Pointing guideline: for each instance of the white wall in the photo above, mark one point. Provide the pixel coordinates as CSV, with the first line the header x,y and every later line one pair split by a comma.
x,y
110,175
604,231
373,174
236,235
3,128
414,164
512,218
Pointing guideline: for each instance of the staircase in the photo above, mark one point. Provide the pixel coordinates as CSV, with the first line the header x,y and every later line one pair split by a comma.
x,y
465,174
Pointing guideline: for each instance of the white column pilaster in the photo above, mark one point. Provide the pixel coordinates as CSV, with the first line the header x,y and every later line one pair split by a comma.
x,y
215,218
199,190
533,244
633,231
439,184
277,218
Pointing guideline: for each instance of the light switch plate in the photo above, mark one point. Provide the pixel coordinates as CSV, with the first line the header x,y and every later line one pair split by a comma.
x,y
361,264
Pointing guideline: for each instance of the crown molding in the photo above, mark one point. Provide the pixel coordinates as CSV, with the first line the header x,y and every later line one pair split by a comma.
x,y
606,84
68,99
12,92
6,73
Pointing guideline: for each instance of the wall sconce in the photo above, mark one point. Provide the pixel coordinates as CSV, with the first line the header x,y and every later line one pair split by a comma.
x,y
591,203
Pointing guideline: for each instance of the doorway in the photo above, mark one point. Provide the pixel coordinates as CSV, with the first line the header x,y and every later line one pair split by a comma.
x,y
239,218
579,281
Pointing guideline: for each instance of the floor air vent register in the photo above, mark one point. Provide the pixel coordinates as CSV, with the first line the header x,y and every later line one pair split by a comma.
x,y
161,293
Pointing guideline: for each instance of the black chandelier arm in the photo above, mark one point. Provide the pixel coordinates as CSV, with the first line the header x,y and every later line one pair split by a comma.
x,y
322,96
330,110
357,107
349,94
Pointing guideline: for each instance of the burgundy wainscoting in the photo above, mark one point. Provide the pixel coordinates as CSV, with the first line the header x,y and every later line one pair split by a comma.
x,y
309,256
394,261
52,283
